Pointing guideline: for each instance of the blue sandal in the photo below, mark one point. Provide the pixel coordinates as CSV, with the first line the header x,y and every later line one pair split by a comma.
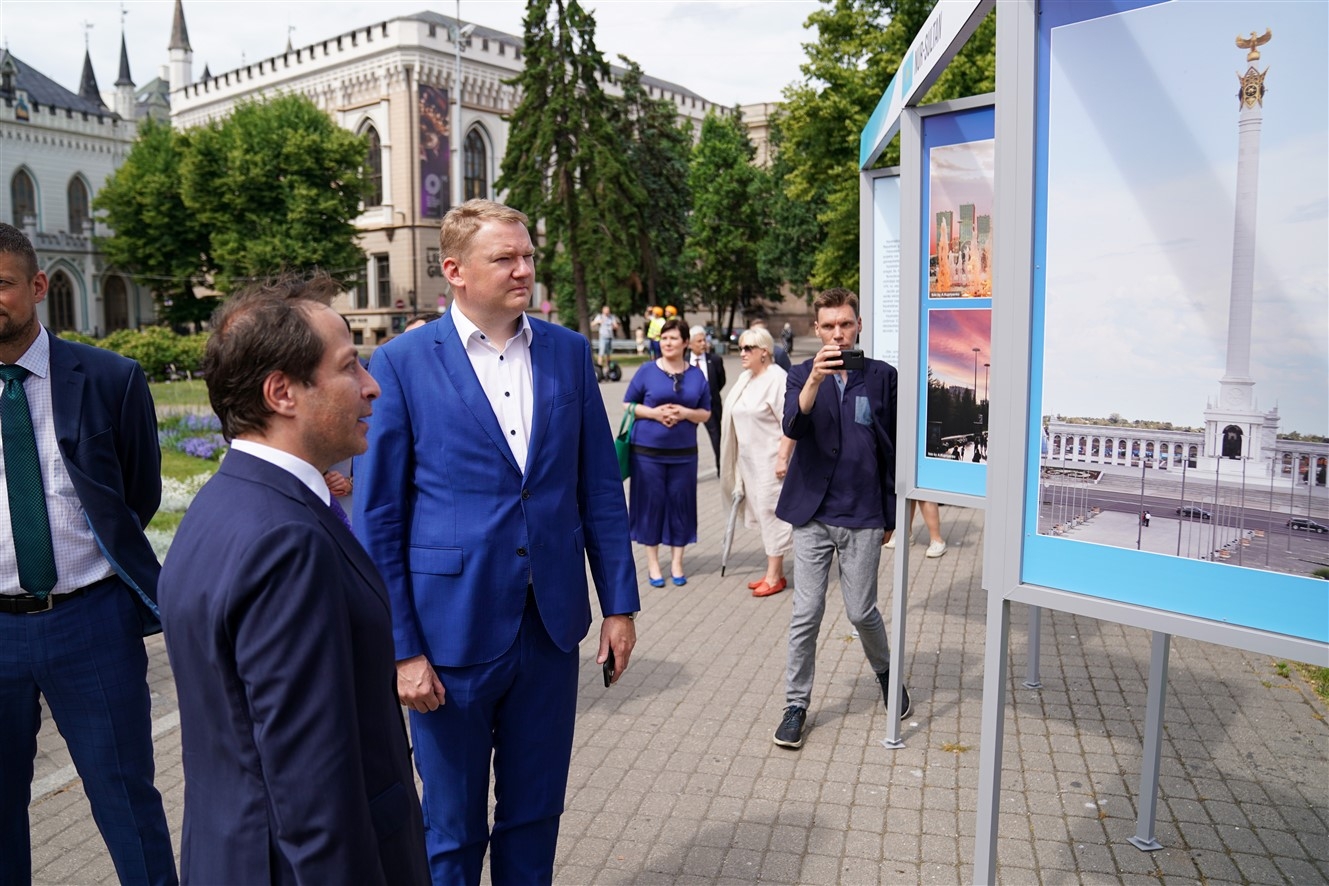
x,y
679,580
656,582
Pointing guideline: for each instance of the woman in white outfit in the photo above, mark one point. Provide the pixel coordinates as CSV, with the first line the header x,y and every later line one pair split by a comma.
x,y
754,452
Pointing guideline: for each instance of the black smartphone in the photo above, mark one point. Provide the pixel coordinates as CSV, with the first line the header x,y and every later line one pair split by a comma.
x,y
609,668
851,358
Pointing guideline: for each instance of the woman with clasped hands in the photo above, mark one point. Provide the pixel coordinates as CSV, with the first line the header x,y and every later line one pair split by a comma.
x,y
669,398
754,452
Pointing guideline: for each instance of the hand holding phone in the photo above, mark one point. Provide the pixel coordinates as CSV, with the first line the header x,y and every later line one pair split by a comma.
x,y
851,358
609,668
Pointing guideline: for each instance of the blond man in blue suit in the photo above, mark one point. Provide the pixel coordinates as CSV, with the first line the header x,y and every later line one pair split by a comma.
x,y
489,484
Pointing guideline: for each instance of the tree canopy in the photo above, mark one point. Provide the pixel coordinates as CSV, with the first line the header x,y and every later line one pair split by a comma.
x,y
274,187
860,44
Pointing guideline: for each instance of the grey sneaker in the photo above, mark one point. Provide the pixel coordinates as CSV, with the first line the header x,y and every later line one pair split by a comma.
x,y
906,705
790,733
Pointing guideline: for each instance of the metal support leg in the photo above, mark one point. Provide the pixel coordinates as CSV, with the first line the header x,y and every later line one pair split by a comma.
x,y
1153,744
1032,677
899,601
991,738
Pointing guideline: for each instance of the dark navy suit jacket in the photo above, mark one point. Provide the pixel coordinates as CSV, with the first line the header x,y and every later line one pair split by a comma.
x,y
455,526
819,443
106,427
296,761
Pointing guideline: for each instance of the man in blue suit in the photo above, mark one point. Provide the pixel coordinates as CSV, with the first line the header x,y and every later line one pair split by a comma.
x,y
80,478
839,495
297,767
490,482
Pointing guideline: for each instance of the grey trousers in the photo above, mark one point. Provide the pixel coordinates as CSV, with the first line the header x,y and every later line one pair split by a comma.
x,y
859,553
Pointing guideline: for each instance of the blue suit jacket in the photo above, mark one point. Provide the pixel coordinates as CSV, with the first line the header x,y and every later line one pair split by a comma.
x,y
297,767
106,427
456,528
818,436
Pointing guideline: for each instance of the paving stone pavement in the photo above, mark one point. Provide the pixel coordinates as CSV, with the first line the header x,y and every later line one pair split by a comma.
x,y
675,779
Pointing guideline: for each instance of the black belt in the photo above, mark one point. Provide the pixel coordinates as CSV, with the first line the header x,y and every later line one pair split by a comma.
x,y
27,604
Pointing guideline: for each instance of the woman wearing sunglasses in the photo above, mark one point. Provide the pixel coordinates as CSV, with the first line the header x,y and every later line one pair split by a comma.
x,y
669,398
754,452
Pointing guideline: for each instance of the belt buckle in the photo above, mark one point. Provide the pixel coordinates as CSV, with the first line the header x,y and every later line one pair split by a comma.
x,y
50,603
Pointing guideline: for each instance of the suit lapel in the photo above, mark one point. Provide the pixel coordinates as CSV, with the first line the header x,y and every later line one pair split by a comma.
x,y
458,370
542,385
67,381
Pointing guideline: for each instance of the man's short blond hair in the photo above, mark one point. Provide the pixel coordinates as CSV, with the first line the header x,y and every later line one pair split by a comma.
x,y
461,223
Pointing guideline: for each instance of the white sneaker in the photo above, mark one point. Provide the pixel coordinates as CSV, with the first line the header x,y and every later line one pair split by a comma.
x,y
936,549
890,544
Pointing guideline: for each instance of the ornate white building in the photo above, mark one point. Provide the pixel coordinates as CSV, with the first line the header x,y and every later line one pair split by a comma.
x,y
56,149
393,81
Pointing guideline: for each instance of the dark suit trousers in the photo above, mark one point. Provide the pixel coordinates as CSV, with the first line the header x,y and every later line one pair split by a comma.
x,y
713,428
86,657
521,709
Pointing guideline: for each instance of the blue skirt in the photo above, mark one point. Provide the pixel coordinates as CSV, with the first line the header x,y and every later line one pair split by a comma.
x,y
662,500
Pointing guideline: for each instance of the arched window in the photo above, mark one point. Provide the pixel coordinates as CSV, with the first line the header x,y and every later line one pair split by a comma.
x,y
1056,444
23,197
60,303
116,300
78,205
374,168
476,175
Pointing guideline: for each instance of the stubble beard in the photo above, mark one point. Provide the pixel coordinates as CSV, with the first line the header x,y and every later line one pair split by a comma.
x,y
11,332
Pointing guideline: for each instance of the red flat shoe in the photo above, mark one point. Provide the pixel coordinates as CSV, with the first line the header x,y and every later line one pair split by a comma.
x,y
753,585
765,590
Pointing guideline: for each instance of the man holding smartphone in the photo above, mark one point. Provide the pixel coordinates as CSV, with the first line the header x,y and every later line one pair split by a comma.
x,y
839,495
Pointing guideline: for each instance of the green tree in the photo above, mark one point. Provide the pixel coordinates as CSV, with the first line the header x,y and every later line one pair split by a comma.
x,y
659,148
727,215
157,239
860,44
566,163
789,242
277,186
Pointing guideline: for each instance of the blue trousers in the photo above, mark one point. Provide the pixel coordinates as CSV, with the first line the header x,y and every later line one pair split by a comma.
x,y
662,500
519,711
86,657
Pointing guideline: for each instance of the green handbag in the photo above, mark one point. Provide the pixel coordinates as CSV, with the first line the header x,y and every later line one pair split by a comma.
x,y
622,443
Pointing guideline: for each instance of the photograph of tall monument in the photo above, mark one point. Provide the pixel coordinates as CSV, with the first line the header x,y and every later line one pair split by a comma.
x,y
1185,363
960,225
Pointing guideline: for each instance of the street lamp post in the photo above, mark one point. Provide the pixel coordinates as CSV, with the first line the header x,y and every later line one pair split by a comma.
x,y
985,393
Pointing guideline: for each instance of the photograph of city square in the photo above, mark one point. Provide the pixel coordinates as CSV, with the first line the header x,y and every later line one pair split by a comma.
x,y
959,368
1184,377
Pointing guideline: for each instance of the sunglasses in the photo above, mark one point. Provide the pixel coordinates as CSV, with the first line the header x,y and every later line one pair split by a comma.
x,y
746,348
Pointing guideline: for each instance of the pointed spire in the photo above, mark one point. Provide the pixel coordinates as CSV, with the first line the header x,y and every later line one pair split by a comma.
x,y
207,75
87,87
179,33
124,79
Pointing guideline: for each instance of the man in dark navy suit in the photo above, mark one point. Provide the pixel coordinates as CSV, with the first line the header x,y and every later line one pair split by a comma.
x,y
713,368
297,768
839,495
80,478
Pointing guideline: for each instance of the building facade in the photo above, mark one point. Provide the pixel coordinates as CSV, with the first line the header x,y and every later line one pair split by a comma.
x,y
56,149
394,82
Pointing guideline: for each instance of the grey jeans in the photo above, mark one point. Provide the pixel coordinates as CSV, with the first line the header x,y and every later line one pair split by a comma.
x,y
859,553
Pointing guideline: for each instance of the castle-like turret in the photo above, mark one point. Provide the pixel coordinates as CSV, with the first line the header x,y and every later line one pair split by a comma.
x,y
181,53
124,85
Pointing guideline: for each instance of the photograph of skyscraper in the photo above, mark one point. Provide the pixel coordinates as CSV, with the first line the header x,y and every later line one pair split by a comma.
x,y
960,234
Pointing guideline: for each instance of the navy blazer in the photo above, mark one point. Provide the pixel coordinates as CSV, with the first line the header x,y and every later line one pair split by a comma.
x,y
106,427
296,760
714,375
818,446
455,526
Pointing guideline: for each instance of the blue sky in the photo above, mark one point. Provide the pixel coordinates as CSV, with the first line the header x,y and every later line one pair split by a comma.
x,y
1142,172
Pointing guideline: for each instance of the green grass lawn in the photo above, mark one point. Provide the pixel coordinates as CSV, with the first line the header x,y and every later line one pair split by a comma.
x,y
180,394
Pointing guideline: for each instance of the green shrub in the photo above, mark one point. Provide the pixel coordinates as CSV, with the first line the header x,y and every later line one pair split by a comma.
x,y
78,337
157,348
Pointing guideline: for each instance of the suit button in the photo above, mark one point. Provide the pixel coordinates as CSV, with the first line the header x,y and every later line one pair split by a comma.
x,y
521,552
835,452
525,494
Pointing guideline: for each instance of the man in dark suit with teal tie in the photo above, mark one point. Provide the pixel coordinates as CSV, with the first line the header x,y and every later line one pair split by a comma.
x,y
81,477
296,762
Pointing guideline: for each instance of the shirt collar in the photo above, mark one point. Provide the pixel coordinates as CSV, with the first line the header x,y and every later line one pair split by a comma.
x,y
37,358
468,330
303,470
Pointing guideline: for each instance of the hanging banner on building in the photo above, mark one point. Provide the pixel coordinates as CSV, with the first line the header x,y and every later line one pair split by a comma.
x,y
955,322
435,152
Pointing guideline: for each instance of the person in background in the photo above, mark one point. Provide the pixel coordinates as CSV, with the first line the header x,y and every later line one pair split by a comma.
x,y
839,496
420,320
755,453
653,327
486,552
781,356
712,367
931,519
669,398
787,338
605,323
78,578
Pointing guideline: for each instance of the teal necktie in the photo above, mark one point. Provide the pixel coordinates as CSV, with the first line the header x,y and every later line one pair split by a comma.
x,y
23,476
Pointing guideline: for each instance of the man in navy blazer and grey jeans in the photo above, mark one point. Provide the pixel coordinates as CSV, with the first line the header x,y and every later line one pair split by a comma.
x,y
839,497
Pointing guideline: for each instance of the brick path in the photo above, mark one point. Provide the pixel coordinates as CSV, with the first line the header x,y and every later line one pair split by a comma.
x,y
675,780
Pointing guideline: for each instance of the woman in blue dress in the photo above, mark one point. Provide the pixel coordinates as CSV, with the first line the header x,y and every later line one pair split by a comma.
x,y
669,398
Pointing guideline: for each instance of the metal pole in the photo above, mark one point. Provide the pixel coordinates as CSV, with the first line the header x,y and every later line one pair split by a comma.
x,y
1139,518
1269,522
455,136
1184,462
1153,741
1033,679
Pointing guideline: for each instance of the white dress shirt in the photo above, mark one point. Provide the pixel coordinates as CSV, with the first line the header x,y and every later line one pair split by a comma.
x,y
303,470
505,375
699,361
79,562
